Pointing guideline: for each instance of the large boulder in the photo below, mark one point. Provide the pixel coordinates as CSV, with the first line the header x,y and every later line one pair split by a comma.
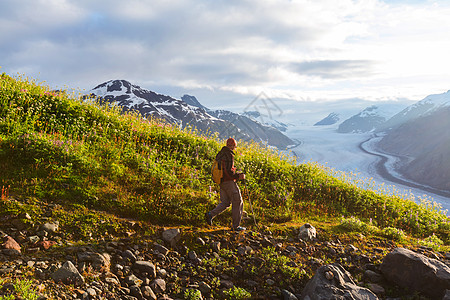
x,y
334,282
416,272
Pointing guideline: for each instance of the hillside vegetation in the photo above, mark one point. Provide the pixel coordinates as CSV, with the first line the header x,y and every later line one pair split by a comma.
x,y
55,148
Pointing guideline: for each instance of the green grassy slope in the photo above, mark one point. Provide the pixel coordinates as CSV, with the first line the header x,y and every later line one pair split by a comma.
x,y
56,148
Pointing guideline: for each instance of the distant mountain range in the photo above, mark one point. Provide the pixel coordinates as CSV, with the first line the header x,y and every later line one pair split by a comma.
x,y
331,119
427,106
420,134
188,112
370,119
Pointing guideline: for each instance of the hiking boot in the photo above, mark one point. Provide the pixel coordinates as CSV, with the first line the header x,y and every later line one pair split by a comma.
x,y
208,218
239,228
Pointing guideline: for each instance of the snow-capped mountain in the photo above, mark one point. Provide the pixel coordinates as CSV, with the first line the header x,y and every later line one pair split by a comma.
x,y
191,114
256,116
370,118
263,131
420,135
331,119
191,100
421,108
148,103
248,122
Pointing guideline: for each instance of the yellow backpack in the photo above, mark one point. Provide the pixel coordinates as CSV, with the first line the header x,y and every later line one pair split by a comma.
x,y
216,172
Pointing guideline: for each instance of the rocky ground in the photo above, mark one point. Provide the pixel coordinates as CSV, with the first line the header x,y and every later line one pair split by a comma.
x,y
186,263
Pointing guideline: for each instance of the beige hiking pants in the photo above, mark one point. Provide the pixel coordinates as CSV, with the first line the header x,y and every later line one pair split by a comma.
x,y
230,194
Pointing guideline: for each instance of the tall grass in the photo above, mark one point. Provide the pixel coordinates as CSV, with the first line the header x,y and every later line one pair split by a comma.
x,y
57,147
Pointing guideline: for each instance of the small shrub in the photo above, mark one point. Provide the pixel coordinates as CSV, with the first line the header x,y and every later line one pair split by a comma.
x,y
237,293
23,289
192,294
393,233
279,263
432,242
354,224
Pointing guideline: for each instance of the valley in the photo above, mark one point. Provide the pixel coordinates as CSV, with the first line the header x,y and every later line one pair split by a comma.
x,y
344,152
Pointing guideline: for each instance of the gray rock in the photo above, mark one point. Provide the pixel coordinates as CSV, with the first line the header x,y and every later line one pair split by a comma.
x,y
291,249
243,250
42,234
91,292
31,263
133,280
171,236
50,227
351,248
135,291
270,282
373,276
33,239
162,273
447,295
97,260
68,274
204,287
307,232
158,285
416,272
161,249
334,282
226,284
145,267
148,293
288,295
192,255
129,255
112,280
377,289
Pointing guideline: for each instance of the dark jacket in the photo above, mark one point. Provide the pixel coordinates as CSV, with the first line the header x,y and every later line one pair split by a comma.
x,y
226,161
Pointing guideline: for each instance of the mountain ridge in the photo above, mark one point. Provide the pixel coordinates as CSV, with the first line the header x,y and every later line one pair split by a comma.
x,y
370,118
331,119
420,134
188,112
423,107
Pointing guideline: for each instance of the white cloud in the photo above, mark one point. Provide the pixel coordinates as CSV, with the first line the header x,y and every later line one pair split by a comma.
x,y
302,49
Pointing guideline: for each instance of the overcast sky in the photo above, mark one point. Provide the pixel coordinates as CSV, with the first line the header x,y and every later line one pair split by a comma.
x,y
304,50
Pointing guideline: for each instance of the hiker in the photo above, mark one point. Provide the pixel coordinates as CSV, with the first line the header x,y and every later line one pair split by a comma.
x,y
229,190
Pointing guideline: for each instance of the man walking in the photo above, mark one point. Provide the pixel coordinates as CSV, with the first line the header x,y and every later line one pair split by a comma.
x,y
229,190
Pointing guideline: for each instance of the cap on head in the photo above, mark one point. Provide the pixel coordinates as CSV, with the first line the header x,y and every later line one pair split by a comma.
x,y
231,142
